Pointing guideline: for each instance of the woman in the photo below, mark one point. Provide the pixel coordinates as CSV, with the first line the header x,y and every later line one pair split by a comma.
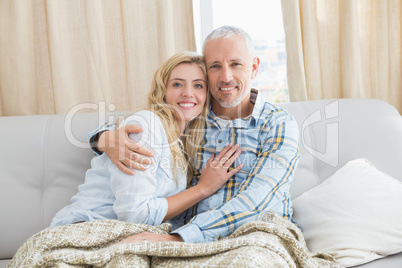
x,y
178,99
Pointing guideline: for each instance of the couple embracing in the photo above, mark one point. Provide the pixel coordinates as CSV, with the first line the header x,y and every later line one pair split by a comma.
x,y
215,162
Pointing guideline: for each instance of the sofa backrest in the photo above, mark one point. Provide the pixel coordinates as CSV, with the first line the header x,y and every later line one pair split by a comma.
x,y
333,132
44,158
40,168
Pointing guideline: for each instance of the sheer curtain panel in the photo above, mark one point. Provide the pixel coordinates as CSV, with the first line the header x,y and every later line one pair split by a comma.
x,y
57,54
344,49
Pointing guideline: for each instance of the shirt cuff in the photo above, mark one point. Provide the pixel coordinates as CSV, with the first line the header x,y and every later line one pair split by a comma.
x,y
93,142
190,233
71,217
93,136
159,211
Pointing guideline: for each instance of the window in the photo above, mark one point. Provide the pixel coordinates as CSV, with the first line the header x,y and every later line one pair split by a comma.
x,y
262,19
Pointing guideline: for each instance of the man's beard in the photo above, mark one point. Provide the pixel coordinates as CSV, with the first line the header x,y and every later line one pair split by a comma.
x,y
233,103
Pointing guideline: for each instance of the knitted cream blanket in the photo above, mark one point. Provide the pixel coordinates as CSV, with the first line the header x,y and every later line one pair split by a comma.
x,y
270,242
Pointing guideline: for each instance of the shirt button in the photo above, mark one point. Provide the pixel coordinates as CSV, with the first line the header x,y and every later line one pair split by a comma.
x,y
219,141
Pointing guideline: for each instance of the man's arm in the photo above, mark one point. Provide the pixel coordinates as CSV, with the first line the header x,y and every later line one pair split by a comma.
x,y
121,150
93,136
266,187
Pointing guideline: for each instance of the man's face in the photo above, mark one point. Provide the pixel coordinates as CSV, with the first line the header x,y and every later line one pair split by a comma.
x,y
230,70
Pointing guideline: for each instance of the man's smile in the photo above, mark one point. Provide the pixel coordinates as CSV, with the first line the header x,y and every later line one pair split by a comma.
x,y
227,88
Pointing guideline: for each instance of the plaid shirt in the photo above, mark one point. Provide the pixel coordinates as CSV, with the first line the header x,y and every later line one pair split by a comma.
x,y
268,139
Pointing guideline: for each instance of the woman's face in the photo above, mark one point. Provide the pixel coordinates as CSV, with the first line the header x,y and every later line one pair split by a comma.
x,y
186,91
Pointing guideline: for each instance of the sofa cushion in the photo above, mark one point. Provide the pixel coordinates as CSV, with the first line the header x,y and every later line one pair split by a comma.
x,y
354,215
43,159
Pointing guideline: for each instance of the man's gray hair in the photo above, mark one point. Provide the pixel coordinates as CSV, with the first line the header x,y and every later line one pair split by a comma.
x,y
227,32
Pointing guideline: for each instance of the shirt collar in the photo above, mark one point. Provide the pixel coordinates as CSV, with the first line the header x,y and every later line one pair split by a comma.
x,y
259,103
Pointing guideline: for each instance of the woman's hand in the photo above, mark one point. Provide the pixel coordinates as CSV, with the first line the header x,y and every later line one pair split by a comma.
x,y
215,173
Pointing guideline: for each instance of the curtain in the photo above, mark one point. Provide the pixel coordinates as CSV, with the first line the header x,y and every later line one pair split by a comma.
x,y
59,54
344,49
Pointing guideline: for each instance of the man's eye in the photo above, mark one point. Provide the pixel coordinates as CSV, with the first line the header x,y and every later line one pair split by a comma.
x,y
214,67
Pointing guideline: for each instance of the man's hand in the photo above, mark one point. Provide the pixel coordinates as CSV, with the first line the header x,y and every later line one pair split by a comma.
x,y
146,237
124,152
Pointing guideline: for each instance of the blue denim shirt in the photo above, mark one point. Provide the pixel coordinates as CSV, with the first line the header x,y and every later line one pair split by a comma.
x,y
109,193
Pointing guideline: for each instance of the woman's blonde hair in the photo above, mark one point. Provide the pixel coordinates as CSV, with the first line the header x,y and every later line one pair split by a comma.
x,y
182,150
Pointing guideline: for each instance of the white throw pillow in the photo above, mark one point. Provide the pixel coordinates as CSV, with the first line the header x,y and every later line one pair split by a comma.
x,y
355,215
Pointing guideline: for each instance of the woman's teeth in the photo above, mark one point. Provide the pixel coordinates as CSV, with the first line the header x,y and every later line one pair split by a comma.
x,y
187,104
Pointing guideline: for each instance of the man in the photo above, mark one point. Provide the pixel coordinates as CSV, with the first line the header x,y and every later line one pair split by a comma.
x,y
267,135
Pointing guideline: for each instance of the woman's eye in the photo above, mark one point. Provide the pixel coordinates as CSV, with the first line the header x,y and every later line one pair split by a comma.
x,y
176,84
199,86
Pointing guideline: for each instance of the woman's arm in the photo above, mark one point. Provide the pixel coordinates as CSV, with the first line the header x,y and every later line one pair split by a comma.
x,y
137,198
213,176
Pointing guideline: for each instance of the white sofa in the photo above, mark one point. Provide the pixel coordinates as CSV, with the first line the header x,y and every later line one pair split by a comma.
x,y
44,158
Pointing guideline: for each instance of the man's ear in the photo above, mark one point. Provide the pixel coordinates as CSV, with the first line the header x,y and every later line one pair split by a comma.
x,y
254,67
